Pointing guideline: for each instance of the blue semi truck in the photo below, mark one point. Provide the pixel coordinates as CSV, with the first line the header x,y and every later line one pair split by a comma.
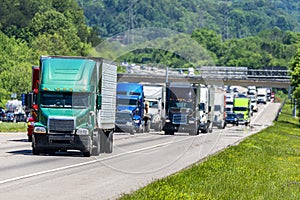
x,y
130,97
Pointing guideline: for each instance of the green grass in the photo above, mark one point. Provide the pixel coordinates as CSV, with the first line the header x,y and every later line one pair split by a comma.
x,y
263,166
13,127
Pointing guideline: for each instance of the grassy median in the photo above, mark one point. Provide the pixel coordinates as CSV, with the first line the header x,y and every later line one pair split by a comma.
x,y
263,166
13,127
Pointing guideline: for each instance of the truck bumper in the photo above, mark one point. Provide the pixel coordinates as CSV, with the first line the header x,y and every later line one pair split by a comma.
x,y
51,142
179,127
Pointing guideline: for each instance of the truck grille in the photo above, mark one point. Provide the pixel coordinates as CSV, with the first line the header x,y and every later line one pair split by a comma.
x,y
61,125
179,119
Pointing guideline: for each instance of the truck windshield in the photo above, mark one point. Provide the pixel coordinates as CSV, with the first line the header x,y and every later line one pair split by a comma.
x,y
130,102
153,104
181,104
239,109
65,99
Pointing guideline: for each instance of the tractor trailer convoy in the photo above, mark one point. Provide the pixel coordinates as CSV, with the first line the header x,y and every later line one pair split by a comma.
x,y
76,105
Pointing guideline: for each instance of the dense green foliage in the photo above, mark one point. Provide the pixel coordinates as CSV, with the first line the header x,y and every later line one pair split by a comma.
x,y
295,67
231,18
264,166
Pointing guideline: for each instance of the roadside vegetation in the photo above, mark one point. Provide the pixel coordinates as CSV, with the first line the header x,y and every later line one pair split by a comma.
x,y
264,166
13,127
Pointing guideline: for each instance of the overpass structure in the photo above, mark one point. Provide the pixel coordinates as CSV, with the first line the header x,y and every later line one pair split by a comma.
x,y
241,76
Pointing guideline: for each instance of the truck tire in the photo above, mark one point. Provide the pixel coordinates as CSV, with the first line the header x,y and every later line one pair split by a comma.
x,y
35,151
195,130
169,132
106,141
89,152
96,144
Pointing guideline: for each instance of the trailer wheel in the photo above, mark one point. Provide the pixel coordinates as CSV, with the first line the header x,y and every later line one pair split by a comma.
x,y
106,141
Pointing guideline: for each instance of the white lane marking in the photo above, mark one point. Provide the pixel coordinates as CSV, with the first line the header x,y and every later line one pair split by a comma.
x,y
88,162
261,112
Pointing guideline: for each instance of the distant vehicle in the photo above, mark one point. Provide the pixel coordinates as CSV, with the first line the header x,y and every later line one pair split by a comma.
x,y
189,108
232,118
241,106
219,110
229,103
20,117
241,95
269,94
9,117
154,99
273,96
124,122
253,105
130,96
262,95
191,71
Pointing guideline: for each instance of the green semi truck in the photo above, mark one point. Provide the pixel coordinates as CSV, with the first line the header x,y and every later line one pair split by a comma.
x,y
241,106
76,105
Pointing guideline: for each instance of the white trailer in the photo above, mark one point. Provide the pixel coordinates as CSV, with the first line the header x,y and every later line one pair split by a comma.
x,y
229,103
154,98
219,110
206,108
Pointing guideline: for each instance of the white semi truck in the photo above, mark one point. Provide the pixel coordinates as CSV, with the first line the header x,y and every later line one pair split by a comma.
x,y
206,108
154,98
262,95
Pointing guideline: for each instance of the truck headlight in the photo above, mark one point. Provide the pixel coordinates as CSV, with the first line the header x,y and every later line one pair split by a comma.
x,y
168,121
128,124
137,121
39,129
191,121
82,131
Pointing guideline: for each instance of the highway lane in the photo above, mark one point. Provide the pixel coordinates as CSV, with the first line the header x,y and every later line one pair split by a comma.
x,y
137,160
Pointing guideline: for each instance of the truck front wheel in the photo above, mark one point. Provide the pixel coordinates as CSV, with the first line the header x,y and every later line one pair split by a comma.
x,y
96,144
35,151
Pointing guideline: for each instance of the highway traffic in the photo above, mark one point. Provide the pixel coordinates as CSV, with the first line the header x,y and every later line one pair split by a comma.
x,y
136,160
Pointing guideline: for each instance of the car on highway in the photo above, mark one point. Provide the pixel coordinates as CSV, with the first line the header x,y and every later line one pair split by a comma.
x,y
9,117
232,118
124,122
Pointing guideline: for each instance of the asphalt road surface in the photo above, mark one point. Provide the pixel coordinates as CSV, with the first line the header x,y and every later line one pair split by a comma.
x,y
136,161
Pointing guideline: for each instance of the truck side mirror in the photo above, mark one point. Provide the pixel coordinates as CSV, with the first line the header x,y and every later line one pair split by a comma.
x,y
99,101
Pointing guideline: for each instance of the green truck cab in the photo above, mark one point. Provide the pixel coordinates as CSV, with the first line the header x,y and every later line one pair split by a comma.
x,y
76,105
241,106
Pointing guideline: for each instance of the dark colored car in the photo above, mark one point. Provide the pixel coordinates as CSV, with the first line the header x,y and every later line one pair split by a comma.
x,y
124,122
9,117
232,118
